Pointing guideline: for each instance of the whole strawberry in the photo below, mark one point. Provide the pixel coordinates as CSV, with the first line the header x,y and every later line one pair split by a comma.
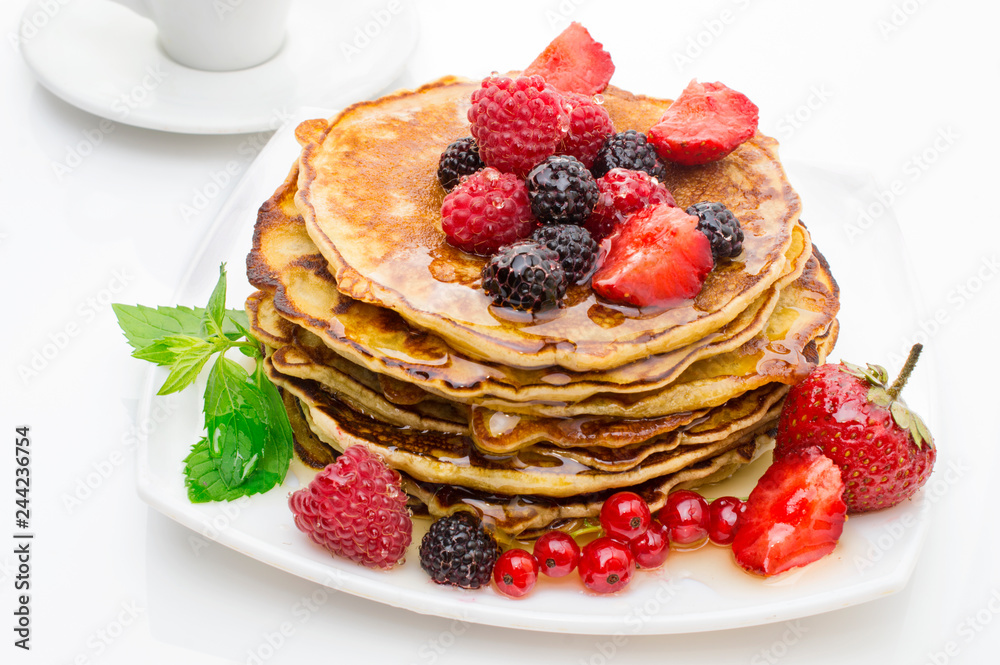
x,y
356,508
883,449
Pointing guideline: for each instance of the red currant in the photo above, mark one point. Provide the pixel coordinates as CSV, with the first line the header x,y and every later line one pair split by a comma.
x,y
723,514
606,565
625,515
686,518
515,573
557,553
651,547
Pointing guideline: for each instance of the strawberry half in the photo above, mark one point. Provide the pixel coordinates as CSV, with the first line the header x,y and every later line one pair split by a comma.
x,y
794,515
883,449
574,62
658,257
707,122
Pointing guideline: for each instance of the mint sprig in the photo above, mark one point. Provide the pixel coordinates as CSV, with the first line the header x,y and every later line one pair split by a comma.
x,y
248,442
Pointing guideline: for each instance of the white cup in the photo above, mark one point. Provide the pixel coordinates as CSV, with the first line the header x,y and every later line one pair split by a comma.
x,y
217,35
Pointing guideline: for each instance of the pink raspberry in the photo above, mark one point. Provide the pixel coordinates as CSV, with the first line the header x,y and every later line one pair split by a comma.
x,y
589,126
356,508
622,192
517,122
487,210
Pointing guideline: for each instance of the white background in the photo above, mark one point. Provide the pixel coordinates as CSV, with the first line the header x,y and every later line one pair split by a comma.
x,y
867,86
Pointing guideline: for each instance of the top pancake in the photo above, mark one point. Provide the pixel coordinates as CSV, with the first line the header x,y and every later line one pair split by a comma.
x,y
371,201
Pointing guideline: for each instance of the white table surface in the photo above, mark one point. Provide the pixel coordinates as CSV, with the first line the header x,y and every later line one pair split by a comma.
x,y
874,84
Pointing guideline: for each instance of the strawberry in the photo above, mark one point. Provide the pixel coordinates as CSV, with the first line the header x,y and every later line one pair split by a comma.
x,y
707,122
794,515
883,449
658,257
574,62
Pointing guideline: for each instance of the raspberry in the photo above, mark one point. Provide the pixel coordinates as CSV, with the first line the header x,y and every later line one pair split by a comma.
x,y
589,126
562,190
628,150
721,227
577,250
356,508
461,158
457,550
517,122
525,276
622,192
487,210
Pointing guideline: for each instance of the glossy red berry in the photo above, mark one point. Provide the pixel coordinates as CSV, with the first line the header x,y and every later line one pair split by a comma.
x,y
557,553
723,515
606,565
651,547
625,516
515,573
686,517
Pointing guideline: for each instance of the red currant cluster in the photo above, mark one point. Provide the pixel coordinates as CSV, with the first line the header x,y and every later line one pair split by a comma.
x,y
631,539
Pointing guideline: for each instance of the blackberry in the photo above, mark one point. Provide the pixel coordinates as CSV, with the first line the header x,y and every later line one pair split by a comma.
x,y
459,159
577,250
525,276
722,228
562,190
457,550
628,150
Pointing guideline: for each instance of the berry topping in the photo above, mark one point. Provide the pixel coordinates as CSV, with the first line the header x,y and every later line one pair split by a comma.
x,y
606,565
459,159
794,515
721,228
557,553
525,276
651,547
486,211
628,150
576,249
517,122
622,192
625,516
515,573
574,62
685,515
589,126
657,258
884,450
562,191
707,122
723,515
356,508
457,550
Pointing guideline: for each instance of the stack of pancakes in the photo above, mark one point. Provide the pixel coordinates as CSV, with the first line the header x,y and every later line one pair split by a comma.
x,y
379,332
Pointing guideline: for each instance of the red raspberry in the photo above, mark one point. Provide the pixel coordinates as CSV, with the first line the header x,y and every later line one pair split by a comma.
x,y
517,122
487,210
356,508
622,192
589,126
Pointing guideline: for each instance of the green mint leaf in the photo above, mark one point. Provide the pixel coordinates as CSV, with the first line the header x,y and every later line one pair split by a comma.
x,y
279,445
235,414
185,368
165,351
145,325
204,483
215,313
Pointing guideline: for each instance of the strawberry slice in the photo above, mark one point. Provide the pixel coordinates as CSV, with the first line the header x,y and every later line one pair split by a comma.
x,y
794,515
706,123
574,62
659,257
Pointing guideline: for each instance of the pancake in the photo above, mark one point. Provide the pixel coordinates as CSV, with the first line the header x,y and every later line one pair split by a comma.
x,y
371,203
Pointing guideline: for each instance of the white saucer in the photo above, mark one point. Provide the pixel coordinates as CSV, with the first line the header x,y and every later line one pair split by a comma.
x,y
103,58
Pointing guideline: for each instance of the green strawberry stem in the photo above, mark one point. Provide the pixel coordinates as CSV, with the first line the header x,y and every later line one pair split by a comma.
x,y
904,374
